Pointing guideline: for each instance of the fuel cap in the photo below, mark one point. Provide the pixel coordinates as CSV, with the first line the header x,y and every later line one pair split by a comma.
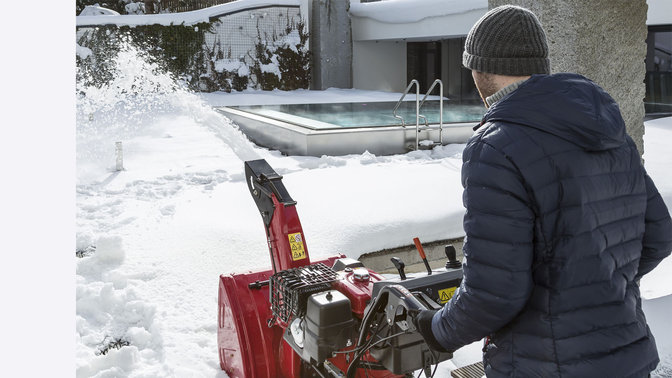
x,y
360,274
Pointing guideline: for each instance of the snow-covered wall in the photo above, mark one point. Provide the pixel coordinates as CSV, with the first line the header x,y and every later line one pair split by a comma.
x,y
405,11
183,18
419,19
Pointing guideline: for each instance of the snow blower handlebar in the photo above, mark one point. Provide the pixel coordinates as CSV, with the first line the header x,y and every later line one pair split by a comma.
x,y
400,308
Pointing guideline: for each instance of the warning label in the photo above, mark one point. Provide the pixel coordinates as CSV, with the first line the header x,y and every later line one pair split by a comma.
x,y
296,244
446,294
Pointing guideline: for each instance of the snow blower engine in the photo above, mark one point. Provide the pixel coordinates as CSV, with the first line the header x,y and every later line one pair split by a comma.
x,y
327,318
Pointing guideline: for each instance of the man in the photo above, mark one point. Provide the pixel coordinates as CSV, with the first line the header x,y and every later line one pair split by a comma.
x,y
561,220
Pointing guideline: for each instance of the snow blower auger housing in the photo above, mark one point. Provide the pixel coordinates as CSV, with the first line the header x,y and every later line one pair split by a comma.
x,y
327,318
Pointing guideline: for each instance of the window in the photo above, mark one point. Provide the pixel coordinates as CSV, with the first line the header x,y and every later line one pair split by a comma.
x,y
658,81
424,64
428,61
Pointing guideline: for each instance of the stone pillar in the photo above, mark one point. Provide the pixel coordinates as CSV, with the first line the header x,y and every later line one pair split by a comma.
x,y
603,40
330,44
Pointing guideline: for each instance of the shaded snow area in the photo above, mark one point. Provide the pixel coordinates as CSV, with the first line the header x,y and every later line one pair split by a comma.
x,y
407,11
153,238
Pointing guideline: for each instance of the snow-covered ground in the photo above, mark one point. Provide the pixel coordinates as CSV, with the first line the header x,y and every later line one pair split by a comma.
x,y
156,236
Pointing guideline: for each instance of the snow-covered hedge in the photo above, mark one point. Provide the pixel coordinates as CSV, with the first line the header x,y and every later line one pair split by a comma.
x,y
277,60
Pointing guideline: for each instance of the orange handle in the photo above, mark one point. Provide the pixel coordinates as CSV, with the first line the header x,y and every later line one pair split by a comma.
x,y
418,246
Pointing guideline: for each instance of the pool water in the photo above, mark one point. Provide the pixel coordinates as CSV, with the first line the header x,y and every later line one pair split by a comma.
x,y
372,114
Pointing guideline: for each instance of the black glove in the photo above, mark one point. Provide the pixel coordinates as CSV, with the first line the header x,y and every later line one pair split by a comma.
x,y
423,322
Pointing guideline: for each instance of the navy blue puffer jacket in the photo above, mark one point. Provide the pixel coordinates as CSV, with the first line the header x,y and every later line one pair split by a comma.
x,y
561,222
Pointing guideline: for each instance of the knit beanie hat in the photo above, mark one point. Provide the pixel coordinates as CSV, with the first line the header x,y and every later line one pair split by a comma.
x,y
508,40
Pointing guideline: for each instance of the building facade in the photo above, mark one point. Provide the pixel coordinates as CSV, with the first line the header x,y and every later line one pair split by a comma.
x,y
393,43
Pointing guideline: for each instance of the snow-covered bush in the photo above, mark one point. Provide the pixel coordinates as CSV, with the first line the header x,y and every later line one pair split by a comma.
x,y
135,8
230,74
282,61
294,58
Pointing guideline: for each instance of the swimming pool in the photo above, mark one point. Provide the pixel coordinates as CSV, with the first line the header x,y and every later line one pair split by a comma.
x,y
352,128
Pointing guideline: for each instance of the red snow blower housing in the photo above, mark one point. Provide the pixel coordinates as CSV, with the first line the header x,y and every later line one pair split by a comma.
x,y
327,318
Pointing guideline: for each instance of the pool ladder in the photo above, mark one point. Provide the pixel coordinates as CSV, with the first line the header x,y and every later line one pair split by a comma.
x,y
418,105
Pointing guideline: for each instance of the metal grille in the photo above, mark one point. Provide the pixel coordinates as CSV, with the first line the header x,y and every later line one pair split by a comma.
x,y
470,371
189,5
234,36
289,289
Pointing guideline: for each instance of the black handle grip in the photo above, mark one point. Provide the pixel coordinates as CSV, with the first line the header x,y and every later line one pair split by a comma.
x,y
400,266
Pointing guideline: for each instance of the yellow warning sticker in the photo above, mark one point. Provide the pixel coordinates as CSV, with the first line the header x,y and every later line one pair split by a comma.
x,y
296,244
446,294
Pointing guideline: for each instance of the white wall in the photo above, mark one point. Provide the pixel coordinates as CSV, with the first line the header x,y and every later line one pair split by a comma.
x,y
379,47
379,66
659,13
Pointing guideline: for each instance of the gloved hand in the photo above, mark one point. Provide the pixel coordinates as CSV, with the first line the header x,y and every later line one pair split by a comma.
x,y
423,322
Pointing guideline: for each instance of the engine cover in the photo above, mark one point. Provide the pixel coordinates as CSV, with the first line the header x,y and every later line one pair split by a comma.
x,y
329,324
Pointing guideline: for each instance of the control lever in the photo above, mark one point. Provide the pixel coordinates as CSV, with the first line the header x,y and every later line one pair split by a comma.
x,y
402,307
400,267
418,246
451,254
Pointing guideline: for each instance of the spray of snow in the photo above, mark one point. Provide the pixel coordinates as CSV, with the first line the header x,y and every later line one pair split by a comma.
x,y
83,52
138,101
160,124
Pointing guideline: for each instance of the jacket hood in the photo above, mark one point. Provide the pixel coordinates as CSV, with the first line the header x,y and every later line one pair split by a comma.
x,y
569,106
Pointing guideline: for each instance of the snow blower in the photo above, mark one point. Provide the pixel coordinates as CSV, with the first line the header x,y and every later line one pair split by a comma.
x,y
327,318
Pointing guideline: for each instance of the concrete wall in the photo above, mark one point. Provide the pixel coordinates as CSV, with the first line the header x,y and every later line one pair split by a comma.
x,y
603,40
379,66
330,44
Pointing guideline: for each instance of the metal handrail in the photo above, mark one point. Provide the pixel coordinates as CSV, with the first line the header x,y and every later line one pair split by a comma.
x,y
417,109
437,81
425,118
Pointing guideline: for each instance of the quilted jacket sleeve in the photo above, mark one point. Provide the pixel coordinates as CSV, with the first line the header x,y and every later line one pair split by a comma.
x,y
657,242
498,249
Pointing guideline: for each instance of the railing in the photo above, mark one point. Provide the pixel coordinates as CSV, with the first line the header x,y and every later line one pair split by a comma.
x,y
418,105
417,109
437,81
